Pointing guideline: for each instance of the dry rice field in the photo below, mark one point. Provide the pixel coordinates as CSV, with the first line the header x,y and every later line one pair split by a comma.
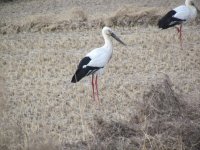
x,y
150,90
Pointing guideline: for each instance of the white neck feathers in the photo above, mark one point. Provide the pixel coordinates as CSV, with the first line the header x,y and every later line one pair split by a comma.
x,y
108,42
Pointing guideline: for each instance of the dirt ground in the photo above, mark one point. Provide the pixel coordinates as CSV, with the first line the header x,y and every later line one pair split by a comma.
x,y
41,43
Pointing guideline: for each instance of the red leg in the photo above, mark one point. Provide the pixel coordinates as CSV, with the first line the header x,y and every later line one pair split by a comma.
x,y
180,37
93,87
178,30
97,88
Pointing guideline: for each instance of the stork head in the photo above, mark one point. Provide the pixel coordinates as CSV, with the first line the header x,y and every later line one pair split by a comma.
x,y
191,3
107,31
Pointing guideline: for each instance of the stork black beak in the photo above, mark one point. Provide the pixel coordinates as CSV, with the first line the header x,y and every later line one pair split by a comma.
x,y
198,11
116,38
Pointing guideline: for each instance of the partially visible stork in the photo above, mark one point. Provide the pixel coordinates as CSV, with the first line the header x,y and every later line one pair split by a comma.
x,y
95,61
178,16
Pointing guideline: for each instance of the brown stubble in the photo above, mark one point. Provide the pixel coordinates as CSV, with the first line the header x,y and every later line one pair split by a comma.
x,y
44,108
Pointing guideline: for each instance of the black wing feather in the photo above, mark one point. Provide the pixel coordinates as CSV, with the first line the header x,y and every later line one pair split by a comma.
x,y
169,21
81,71
83,62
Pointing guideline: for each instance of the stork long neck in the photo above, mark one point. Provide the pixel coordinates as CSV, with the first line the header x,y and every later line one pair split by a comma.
x,y
187,2
108,42
192,8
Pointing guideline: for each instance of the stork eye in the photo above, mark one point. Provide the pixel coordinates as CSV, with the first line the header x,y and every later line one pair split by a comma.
x,y
109,32
192,3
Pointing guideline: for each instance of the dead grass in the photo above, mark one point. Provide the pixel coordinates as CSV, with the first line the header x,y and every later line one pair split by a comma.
x,y
169,118
44,109
141,108
2,93
164,120
78,20
131,16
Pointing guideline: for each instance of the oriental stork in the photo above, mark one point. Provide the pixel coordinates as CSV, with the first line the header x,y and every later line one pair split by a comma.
x,y
178,16
95,61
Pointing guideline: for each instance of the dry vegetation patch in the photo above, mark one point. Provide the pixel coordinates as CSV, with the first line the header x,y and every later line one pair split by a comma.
x,y
77,19
168,118
131,16
40,109
164,120
2,95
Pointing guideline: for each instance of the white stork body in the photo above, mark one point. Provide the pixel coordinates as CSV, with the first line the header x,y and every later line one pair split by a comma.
x,y
178,16
95,61
100,57
185,12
